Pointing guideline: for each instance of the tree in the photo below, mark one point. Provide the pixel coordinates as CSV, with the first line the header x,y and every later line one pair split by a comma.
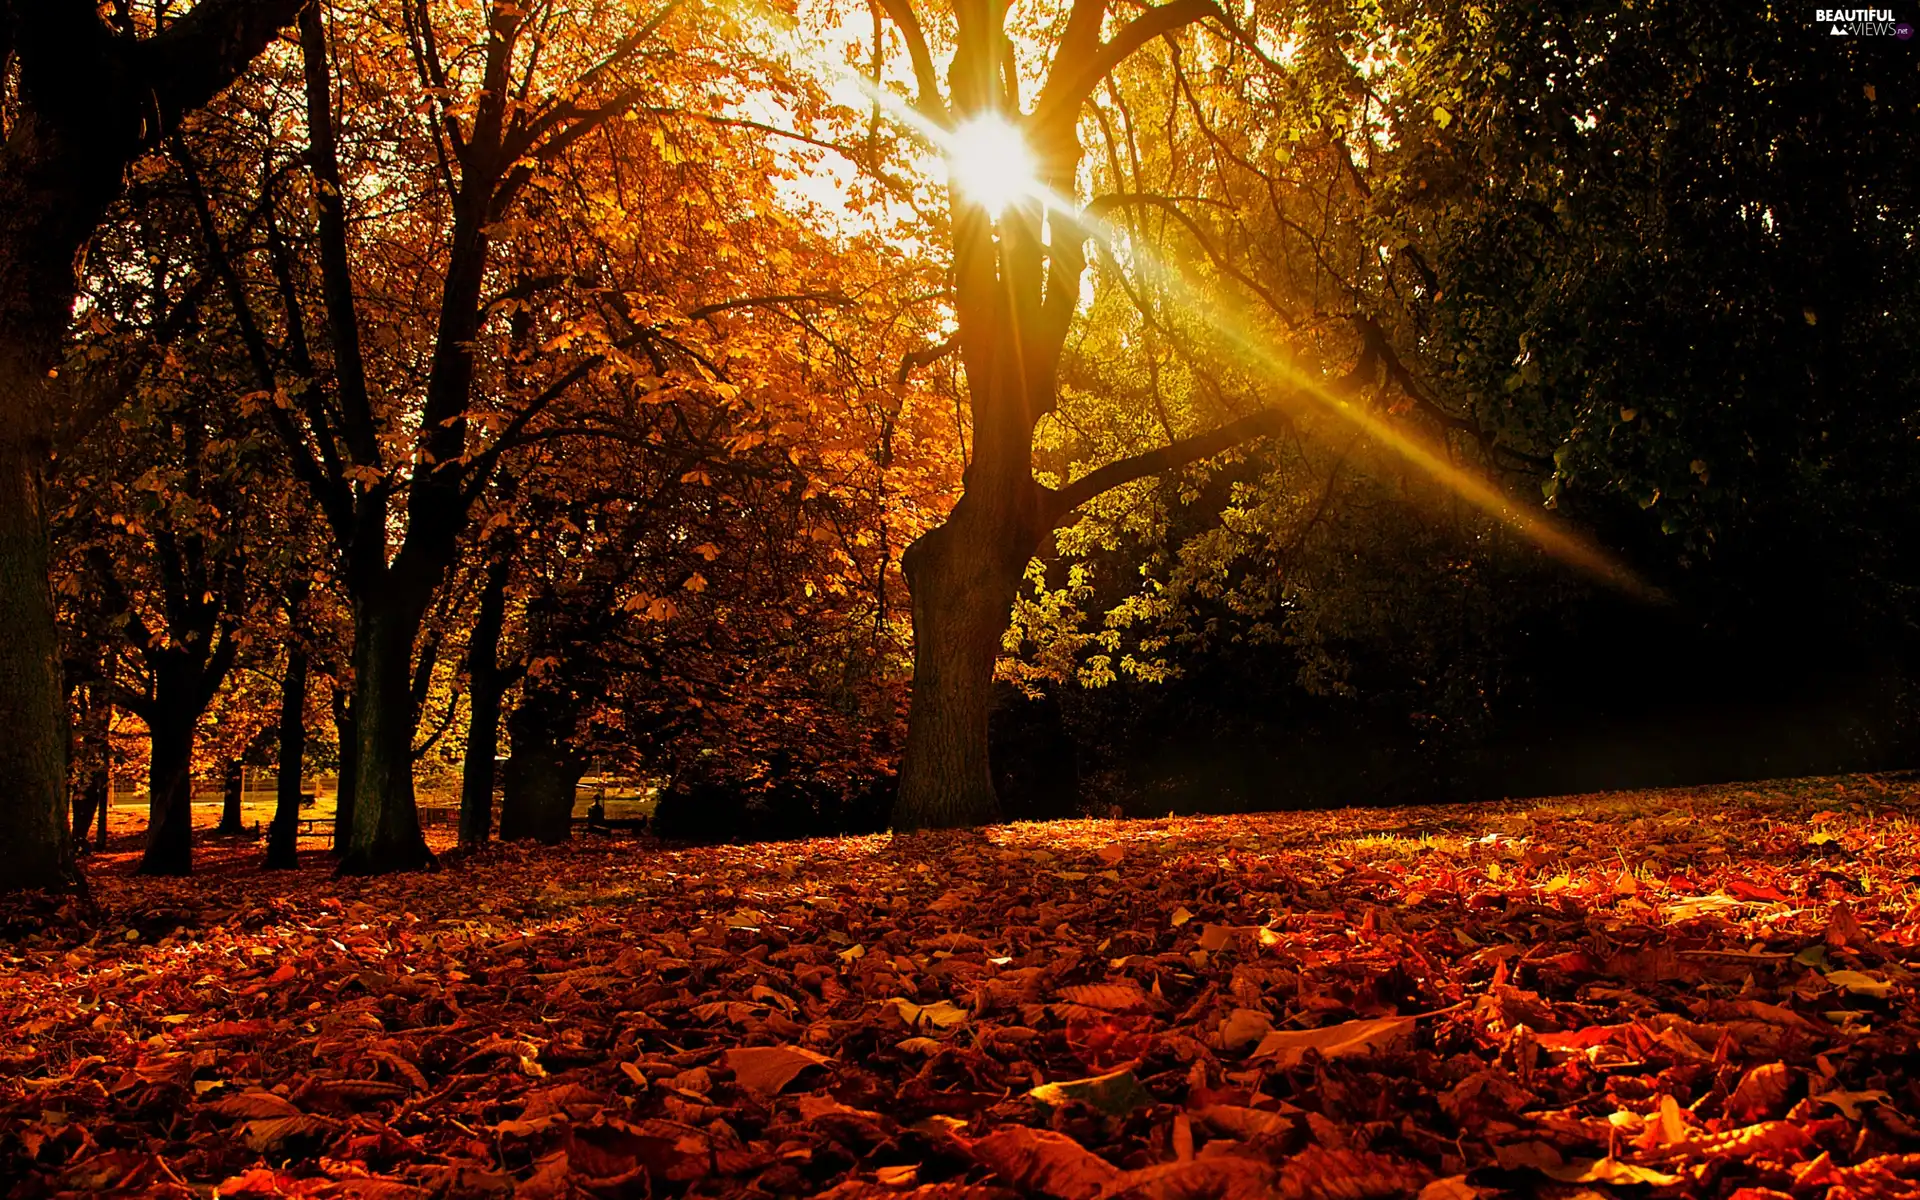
x,y
87,98
159,510
1016,288
396,459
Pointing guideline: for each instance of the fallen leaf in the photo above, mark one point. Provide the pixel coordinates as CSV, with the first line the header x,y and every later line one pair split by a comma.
x,y
1118,1093
1288,1046
768,1069
1608,1170
1042,1161
1860,983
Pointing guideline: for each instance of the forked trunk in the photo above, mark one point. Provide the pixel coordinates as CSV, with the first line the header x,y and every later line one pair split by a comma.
x,y
283,837
541,779
963,577
170,796
386,823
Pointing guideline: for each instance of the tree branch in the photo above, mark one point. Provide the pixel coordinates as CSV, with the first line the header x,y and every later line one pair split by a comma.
x,y
1058,108
927,79
1064,501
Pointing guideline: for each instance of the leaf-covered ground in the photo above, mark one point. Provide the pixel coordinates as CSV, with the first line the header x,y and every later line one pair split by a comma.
x,y
1694,992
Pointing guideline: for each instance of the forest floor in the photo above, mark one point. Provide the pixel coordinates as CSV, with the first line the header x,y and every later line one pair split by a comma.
x,y
1704,991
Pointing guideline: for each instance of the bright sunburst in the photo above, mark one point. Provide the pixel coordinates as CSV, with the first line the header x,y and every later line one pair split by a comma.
x,y
989,161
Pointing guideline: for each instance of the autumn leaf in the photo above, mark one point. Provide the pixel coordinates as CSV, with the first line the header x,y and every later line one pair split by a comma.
x,y
1851,1102
1608,1170
1042,1161
768,1069
1860,983
1243,1027
273,1134
248,1106
1117,1093
1113,997
1288,1046
941,1014
1761,1092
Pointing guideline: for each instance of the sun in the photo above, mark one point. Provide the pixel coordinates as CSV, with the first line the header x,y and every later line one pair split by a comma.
x,y
988,160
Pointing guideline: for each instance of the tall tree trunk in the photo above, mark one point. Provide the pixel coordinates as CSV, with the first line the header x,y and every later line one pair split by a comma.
x,y
83,106
233,786
33,752
485,684
283,837
541,777
346,729
92,773
170,793
106,800
386,822
963,577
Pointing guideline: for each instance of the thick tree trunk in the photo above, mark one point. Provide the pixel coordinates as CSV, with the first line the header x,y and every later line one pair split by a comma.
x,y
386,823
170,794
82,107
33,752
233,784
283,837
541,778
485,683
963,577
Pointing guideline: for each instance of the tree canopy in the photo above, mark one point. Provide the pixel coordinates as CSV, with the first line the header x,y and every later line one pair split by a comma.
x,y
844,417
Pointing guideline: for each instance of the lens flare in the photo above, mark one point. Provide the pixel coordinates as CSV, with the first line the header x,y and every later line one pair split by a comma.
x,y
989,162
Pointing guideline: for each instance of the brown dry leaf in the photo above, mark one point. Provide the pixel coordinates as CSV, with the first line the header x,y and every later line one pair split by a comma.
x,y
253,1106
1224,1177
1850,1102
1320,1173
1761,1093
1288,1046
1608,1170
1113,997
768,1069
1040,1160
274,1133
1234,1120
941,1014
1243,1027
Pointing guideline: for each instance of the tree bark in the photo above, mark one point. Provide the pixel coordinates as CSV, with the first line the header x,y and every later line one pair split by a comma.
x,y
169,793
33,709
93,768
386,822
485,684
541,777
87,103
233,783
346,730
283,837
963,577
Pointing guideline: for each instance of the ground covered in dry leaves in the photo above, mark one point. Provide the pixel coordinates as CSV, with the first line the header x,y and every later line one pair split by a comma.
x,y
1701,992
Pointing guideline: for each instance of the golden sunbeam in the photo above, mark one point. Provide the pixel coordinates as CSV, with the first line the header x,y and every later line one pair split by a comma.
x,y
990,163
